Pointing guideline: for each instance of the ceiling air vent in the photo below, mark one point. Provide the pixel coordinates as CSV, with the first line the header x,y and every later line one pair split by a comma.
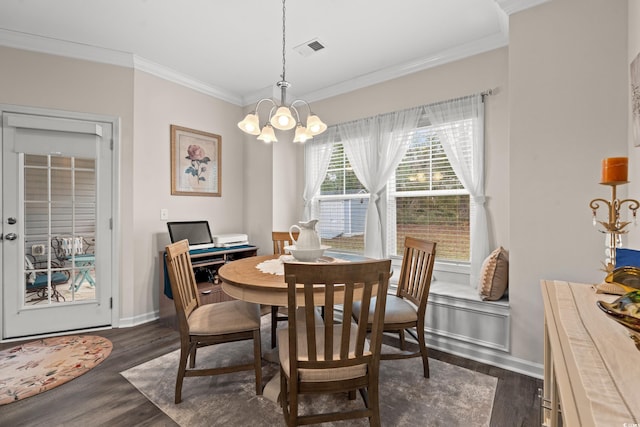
x,y
307,48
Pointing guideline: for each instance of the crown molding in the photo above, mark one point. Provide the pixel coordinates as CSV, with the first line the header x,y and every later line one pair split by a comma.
x,y
513,6
31,42
47,45
142,64
459,52
85,52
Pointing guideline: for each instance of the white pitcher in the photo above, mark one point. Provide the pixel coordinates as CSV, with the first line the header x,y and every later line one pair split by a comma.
x,y
308,238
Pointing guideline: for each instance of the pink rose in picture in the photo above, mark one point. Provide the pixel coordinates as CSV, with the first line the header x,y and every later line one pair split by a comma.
x,y
199,161
195,152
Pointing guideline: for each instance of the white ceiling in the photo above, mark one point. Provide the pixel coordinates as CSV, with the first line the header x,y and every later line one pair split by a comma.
x,y
233,49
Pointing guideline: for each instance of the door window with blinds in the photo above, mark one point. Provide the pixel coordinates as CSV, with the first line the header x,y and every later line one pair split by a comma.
x,y
60,220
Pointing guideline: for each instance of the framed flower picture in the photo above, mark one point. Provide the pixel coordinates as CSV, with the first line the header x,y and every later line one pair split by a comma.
x,y
196,160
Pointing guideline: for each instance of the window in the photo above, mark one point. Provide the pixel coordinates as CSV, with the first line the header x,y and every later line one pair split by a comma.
x,y
342,205
432,186
427,200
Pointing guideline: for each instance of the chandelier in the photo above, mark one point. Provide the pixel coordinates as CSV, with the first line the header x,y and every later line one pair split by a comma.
x,y
281,116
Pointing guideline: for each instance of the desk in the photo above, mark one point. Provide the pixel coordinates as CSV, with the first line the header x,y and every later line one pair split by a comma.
x,y
591,365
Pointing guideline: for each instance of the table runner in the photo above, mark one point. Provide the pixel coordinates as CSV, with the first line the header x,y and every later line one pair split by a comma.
x,y
276,266
604,363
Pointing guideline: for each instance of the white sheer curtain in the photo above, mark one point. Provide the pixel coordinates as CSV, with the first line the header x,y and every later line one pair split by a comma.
x,y
375,146
460,126
317,155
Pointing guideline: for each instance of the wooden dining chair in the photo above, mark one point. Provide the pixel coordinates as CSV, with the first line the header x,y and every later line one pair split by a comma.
x,y
209,324
406,310
331,356
278,314
281,239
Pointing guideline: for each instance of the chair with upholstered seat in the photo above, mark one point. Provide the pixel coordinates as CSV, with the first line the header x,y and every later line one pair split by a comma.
x,y
39,284
209,324
281,239
406,309
330,356
278,314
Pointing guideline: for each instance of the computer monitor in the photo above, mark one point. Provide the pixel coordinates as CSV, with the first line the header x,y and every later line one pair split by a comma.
x,y
196,232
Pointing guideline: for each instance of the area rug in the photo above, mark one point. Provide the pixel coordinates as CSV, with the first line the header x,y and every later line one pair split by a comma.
x,y
41,365
452,396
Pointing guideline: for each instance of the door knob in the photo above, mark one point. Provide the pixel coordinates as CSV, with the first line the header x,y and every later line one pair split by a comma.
x,y
11,236
11,220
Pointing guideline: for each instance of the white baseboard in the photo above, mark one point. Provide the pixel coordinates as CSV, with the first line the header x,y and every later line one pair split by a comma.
x,y
485,355
128,322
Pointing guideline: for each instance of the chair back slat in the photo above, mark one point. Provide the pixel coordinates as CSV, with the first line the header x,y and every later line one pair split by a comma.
x,y
327,285
346,314
281,239
329,322
182,280
362,326
310,323
416,270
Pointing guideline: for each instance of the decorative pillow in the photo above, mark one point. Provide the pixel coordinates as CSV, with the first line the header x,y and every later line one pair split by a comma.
x,y
494,275
28,266
627,257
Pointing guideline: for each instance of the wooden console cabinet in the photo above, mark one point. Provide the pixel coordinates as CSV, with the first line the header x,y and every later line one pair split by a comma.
x,y
591,365
210,291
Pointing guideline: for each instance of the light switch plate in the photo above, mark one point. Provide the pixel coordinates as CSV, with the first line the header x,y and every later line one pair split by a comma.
x,y
164,213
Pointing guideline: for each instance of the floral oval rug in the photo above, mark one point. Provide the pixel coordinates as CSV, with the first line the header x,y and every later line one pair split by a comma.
x,y
41,365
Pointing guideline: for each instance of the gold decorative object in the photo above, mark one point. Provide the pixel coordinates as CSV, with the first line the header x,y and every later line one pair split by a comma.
x,y
627,276
614,173
624,310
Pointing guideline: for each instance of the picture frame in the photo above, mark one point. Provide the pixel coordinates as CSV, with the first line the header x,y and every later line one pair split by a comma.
x,y
196,162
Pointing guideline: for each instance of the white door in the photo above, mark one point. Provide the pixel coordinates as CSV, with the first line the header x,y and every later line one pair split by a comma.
x,y
56,224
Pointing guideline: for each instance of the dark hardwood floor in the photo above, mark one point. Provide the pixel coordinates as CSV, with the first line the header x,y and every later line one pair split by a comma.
x,y
103,397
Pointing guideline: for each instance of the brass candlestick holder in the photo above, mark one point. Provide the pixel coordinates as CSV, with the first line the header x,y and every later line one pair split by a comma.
x,y
614,227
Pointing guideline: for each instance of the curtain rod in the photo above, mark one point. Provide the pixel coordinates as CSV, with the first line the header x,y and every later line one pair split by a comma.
x,y
488,92
482,94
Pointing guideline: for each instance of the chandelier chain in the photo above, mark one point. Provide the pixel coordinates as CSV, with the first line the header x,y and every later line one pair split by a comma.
x,y
284,62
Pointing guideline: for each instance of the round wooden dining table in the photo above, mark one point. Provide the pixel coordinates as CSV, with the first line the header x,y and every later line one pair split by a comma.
x,y
243,280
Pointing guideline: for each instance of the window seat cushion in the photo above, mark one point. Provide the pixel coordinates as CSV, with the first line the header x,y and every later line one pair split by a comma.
x,y
462,291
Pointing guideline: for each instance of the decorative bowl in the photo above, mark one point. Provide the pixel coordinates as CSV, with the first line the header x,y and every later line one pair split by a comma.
x,y
625,310
306,255
628,276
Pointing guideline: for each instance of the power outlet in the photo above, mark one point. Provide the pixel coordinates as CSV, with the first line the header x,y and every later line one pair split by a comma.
x,y
164,214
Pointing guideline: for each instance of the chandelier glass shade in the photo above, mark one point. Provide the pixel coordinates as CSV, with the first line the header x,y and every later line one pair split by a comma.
x,y
282,116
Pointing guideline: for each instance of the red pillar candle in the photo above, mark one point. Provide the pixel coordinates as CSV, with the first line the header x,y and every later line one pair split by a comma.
x,y
614,170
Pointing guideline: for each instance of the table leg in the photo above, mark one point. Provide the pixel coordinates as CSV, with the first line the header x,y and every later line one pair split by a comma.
x,y
83,274
274,324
